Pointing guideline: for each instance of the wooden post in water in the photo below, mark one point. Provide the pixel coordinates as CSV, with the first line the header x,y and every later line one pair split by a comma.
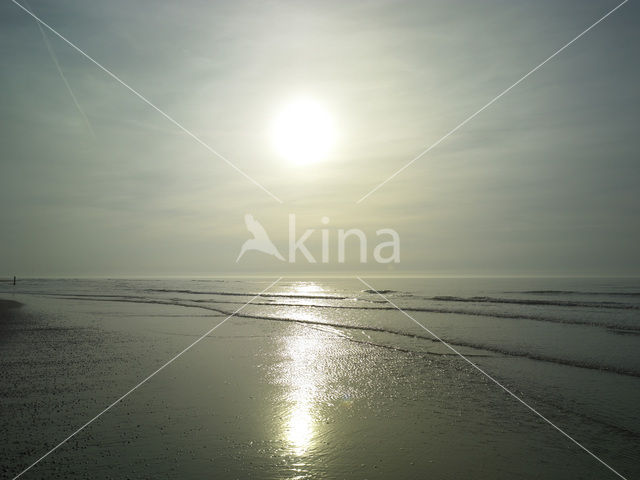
x,y
14,279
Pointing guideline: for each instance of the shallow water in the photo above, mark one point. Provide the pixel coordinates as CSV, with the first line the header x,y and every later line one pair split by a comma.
x,y
321,379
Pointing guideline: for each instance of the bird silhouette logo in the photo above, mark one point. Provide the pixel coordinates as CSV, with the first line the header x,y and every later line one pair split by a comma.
x,y
260,241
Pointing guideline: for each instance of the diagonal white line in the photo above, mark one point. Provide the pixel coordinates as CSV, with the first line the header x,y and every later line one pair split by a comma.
x,y
148,102
493,380
166,364
504,92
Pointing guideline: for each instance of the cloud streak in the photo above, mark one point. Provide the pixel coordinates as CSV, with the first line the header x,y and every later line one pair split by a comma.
x,y
54,58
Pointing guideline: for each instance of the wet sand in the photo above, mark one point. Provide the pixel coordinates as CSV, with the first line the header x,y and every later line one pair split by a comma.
x,y
256,399
8,304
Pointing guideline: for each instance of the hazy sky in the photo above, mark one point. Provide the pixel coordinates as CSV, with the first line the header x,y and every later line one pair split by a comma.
x,y
545,181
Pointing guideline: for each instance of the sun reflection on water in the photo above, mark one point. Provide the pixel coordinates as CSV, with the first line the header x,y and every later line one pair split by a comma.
x,y
300,428
307,287
303,377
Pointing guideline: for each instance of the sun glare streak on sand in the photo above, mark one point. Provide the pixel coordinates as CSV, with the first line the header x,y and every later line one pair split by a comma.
x,y
303,380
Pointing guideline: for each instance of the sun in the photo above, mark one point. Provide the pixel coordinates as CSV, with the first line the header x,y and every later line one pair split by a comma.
x,y
303,132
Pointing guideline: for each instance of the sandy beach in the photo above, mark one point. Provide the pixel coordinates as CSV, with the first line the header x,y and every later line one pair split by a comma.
x,y
264,399
8,304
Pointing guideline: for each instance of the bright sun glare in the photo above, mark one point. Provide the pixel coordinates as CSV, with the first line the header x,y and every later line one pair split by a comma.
x,y
303,132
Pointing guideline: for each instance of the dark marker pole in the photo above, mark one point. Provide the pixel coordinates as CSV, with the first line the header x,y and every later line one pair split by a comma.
x,y
14,279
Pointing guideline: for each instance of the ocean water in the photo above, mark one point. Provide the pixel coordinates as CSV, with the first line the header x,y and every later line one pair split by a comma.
x,y
322,379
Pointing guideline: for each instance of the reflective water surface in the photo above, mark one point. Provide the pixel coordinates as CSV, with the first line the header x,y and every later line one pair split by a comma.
x,y
320,379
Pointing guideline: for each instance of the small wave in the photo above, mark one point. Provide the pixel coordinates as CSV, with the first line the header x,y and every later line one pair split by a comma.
x,y
519,301
380,306
395,293
624,330
578,292
444,311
